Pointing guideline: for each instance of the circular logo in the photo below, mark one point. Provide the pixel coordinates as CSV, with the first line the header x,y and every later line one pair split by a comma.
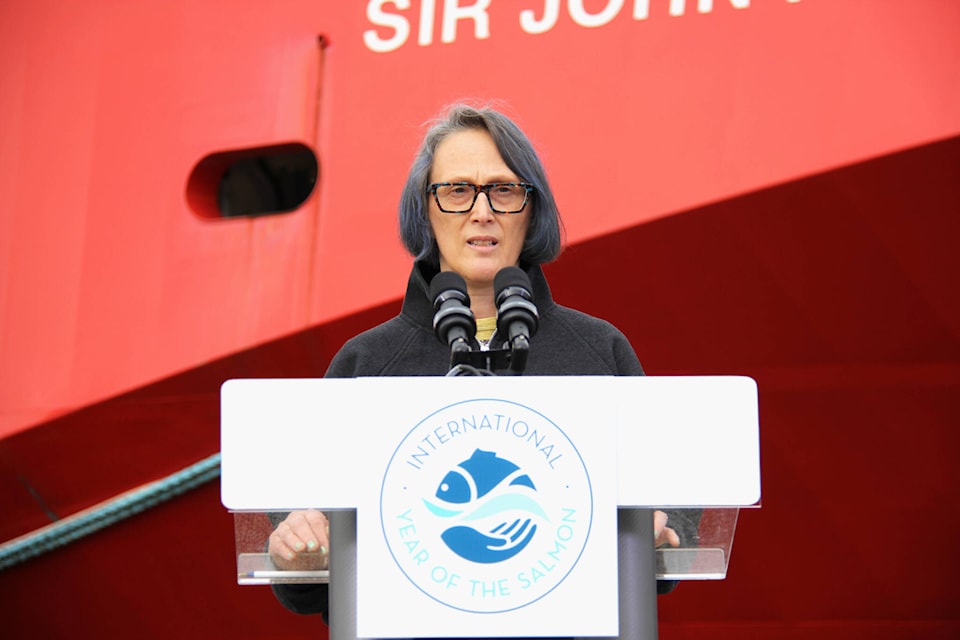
x,y
486,505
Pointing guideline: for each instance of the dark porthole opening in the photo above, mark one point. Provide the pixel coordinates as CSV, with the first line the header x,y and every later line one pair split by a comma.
x,y
253,182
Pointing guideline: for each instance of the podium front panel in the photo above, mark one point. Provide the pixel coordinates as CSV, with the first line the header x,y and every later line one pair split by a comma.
x,y
480,496
686,441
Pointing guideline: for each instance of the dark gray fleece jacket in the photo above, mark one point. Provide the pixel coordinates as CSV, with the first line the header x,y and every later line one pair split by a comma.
x,y
567,342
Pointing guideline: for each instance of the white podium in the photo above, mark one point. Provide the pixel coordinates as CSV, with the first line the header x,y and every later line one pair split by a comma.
x,y
492,506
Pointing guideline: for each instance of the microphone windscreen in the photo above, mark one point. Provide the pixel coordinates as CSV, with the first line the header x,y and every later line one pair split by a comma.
x,y
445,281
511,277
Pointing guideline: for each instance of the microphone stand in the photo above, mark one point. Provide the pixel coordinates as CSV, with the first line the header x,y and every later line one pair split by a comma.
x,y
510,362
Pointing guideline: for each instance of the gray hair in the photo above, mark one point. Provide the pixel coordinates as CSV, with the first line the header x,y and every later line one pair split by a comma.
x,y
544,235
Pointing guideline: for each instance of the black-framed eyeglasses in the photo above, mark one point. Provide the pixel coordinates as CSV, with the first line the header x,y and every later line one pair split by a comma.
x,y
459,197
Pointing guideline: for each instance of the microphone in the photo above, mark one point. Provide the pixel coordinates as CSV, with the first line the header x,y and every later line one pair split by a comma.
x,y
453,321
517,316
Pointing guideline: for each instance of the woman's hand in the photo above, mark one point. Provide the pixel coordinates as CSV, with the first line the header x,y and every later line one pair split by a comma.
x,y
301,542
662,534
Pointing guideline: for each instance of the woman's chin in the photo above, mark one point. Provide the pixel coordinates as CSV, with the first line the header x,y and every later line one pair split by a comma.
x,y
483,270
481,275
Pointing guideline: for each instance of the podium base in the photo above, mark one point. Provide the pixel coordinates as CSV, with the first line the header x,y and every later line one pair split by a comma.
x,y
343,575
637,571
637,574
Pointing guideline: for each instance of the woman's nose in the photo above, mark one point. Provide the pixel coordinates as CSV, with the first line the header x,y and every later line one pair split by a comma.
x,y
481,208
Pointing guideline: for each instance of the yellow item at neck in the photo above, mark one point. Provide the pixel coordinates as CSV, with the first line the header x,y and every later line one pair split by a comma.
x,y
486,327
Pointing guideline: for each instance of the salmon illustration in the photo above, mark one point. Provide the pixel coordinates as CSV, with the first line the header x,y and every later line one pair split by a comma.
x,y
476,476
497,498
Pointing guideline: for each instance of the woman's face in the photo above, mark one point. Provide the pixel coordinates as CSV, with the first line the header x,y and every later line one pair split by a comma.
x,y
479,243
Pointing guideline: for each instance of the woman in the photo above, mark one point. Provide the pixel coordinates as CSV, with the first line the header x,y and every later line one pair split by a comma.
x,y
476,200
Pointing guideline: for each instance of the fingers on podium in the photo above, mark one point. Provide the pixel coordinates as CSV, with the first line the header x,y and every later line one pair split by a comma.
x,y
301,532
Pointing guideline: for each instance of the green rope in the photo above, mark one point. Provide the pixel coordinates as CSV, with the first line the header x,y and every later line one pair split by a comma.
x,y
109,513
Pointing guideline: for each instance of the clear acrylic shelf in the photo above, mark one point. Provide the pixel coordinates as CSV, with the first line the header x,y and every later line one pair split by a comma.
x,y
703,555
